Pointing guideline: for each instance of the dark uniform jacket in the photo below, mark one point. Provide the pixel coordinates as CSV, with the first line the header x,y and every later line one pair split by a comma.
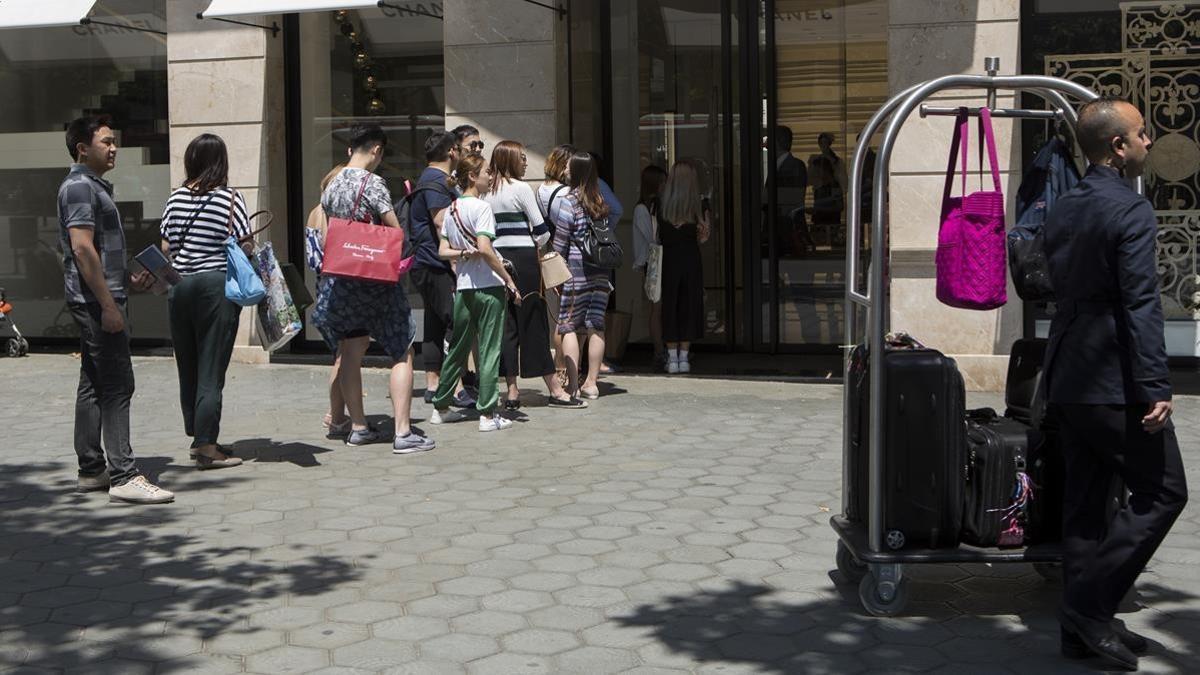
x,y
1106,338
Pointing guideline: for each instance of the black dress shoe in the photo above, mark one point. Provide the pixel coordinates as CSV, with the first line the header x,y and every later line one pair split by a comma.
x,y
1074,648
1101,641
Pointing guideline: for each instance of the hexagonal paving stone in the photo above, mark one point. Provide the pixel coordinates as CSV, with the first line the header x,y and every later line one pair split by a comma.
x,y
540,641
366,611
518,601
59,597
244,642
590,596
543,581
286,618
375,655
288,660
470,586
442,606
459,647
328,635
596,660
202,664
91,613
512,664
488,622
412,628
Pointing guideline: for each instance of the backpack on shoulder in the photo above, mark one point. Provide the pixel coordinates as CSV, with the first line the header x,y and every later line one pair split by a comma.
x,y
599,246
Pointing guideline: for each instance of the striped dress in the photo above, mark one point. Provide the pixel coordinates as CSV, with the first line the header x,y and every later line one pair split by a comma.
x,y
584,299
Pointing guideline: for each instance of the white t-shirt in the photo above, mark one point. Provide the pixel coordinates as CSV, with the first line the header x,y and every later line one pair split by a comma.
x,y
468,218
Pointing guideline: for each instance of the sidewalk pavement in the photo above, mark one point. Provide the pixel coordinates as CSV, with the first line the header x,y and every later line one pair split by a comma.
x,y
677,526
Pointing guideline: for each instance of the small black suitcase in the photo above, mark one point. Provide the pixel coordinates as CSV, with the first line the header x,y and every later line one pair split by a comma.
x,y
1024,396
998,487
924,443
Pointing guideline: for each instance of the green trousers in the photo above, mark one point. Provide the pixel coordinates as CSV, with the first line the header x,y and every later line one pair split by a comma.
x,y
203,329
477,313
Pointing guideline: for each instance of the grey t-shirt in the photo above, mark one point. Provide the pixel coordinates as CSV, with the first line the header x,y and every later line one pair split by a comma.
x,y
85,200
339,197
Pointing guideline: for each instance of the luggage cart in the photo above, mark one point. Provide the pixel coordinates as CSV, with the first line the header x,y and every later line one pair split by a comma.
x,y
863,554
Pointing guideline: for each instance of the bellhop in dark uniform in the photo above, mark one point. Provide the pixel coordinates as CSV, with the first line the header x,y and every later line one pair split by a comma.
x,y
1107,381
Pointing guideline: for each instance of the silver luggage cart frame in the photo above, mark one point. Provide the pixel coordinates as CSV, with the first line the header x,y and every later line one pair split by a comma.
x,y
863,554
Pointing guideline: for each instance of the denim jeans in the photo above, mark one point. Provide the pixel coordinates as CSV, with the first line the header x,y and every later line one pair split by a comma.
x,y
102,403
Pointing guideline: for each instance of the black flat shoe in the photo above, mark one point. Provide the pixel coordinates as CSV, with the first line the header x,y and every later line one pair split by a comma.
x,y
1103,642
512,405
1073,646
571,403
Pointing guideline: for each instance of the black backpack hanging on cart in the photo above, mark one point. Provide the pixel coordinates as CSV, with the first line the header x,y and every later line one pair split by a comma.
x,y
924,441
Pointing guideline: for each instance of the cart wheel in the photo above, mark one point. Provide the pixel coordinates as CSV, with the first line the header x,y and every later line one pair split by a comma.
x,y
14,347
1050,572
24,347
848,565
873,597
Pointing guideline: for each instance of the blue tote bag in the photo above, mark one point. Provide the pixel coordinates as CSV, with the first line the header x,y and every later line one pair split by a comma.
x,y
243,285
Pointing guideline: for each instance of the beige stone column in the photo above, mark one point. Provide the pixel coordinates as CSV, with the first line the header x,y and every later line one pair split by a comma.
x,y
228,80
928,39
501,69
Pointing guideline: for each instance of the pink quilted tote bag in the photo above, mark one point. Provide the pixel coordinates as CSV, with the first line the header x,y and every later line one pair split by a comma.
x,y
970,254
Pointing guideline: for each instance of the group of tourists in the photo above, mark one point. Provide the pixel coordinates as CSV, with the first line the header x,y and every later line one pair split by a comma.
x,y
478,237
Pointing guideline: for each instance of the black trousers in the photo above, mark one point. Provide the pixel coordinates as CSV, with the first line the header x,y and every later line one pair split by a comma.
x,y
102,399
204,326
526,348
437,295
1105,552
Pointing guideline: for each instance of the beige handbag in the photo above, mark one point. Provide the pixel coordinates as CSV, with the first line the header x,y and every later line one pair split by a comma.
x,y
555,272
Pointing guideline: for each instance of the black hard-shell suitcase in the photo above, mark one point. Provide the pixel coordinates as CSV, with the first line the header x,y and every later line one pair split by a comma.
x,y
924,442
1023,394
998,485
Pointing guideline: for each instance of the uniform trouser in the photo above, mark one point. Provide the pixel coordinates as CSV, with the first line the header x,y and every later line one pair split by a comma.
x,y
102,399
477,313
203,329
1103,552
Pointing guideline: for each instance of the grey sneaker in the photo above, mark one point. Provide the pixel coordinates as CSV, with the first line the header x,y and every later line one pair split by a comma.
x,y
362,437
446,416
412,442
93,483
140,491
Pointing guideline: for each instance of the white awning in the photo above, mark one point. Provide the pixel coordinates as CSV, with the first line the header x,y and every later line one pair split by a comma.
x,y
220,8
43,13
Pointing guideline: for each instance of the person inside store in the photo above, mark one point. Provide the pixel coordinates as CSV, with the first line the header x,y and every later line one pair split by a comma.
x,y
827,176
1108,385
792,236
96,282
521,232
197,219
346,305
468,229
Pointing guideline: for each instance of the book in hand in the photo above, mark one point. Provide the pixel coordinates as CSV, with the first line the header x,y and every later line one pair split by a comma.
x,y
165,275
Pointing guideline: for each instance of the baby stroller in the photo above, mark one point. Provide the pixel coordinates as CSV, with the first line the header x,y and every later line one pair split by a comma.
x,y
16,346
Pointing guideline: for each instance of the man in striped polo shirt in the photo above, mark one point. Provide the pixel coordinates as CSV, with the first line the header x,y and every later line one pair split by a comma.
x,y
94,275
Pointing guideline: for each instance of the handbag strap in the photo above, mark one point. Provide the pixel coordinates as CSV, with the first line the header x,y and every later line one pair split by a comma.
x,y
462,230
960,144
233,196
358,199
549,210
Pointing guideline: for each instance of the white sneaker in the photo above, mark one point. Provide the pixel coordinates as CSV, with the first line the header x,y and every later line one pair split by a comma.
x,y
672,366
494,423
446,416
140,491
685,366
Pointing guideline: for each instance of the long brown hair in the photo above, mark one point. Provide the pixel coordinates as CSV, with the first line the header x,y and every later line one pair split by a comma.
x,y
468,165
585,183
556,162
506,162
680,201
653,177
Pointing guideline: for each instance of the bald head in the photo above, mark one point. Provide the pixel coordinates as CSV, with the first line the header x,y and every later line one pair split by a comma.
x,y
1111,131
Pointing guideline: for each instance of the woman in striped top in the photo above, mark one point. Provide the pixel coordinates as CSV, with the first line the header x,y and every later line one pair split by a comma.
x,y
520,233
197,220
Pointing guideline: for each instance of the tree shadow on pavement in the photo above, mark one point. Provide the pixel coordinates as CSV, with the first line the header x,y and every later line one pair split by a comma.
x,y
771,631
117,587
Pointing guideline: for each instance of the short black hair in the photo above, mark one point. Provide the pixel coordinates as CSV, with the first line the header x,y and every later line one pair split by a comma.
x,y
783,137
1100,122
364,136
83,130
462,131
438,146
206,163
